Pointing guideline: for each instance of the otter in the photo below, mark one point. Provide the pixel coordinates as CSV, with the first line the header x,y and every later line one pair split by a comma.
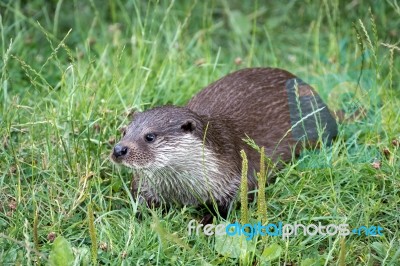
x,y
190,155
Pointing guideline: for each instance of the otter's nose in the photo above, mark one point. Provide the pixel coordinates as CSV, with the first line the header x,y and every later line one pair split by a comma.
x,y
120,150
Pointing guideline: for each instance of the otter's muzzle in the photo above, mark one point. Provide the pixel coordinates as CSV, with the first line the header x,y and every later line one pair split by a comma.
x,y
120,151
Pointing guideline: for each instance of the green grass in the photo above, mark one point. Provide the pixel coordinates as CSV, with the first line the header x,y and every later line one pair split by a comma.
x,y
71,71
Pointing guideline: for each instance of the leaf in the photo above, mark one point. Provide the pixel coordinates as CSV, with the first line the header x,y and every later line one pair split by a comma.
x,y
61,253
271,253
83,255
231,246
379,248
310,262
385,252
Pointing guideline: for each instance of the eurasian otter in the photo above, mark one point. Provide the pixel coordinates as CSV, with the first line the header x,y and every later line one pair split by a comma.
x,y
191,155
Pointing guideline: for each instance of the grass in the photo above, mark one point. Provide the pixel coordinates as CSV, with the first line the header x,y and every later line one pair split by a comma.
x,y
71,71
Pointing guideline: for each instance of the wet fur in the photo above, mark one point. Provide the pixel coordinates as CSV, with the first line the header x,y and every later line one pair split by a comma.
x,y
196,159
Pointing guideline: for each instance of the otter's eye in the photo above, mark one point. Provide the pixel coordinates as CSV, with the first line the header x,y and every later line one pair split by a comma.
x,y
150,137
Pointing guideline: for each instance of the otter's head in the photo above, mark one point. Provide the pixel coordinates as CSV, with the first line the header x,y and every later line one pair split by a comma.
x,y
158,137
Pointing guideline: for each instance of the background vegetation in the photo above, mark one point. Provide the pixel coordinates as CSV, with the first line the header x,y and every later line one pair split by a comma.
x,y
71,71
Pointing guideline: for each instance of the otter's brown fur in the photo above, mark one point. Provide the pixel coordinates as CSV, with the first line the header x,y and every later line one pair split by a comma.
x,y
191,155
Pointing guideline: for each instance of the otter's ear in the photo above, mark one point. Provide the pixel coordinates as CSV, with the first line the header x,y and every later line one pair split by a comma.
x,y
188,126
131,113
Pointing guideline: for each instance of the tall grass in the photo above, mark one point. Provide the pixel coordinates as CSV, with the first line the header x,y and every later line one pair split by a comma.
x,y
71,71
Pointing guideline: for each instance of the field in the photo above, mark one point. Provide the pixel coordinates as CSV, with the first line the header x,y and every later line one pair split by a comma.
x,y
72,71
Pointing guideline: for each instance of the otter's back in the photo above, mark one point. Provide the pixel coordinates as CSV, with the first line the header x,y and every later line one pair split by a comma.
x,y
260,104
241,90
